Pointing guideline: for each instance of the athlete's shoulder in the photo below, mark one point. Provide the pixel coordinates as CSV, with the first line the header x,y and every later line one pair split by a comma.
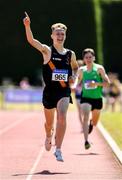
x,y
98,66
72,51
69,50
73,55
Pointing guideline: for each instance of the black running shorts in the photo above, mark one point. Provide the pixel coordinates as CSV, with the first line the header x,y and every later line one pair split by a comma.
x,y
95,103
50,100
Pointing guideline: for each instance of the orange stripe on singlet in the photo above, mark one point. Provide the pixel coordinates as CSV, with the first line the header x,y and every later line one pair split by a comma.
x,y
52,67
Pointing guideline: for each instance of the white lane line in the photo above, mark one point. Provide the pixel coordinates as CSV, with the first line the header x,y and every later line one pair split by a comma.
x,y
4,130
111,142
29,177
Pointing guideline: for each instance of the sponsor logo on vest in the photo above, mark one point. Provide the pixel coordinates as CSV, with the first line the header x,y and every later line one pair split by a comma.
x,y
57,59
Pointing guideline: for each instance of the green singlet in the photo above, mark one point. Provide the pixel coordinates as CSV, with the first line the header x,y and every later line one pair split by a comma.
x,y
88,76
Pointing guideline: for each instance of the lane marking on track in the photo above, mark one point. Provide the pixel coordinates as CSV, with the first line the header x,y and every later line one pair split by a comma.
x,y
4,130
29,177
115,148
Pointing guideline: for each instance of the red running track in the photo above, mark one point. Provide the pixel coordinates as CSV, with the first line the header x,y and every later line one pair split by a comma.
x,y
22,153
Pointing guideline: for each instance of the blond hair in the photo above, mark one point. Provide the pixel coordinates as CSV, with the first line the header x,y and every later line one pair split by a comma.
x,y
59,26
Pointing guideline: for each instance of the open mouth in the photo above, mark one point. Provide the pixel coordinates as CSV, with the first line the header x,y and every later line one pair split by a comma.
x,y
60,40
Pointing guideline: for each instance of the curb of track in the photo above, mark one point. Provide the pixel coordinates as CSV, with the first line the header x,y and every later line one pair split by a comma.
x,y
116,150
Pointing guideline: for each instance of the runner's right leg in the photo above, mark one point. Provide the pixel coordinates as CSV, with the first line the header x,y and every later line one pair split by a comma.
x,y
86,109
49,116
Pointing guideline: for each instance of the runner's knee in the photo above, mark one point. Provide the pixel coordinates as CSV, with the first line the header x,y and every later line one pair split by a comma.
x,y
86,108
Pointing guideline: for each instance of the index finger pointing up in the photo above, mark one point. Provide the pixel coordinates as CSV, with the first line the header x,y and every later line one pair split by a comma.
x,y
26,14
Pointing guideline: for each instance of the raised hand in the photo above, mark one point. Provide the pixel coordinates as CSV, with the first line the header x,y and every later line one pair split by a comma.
x,y
26,20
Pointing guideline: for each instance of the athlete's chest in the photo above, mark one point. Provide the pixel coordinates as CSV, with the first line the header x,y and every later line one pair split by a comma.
x,y
91,75
60,59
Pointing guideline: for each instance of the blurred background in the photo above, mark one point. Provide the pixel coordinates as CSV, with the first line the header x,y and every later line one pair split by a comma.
x,y
95,24
91,23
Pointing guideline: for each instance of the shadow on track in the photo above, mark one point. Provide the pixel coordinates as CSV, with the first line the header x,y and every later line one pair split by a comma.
x,y
87,154
44,172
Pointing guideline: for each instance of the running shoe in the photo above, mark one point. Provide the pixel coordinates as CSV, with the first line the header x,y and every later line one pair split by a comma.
x,y
58,155
87,145
90,127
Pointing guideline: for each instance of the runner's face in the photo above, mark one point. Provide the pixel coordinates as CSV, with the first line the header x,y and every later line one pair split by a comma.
x,y
58,36
88,58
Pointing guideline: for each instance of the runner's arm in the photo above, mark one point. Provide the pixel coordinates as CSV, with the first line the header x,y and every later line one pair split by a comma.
x,y
74,64
78,78
106,81
34,42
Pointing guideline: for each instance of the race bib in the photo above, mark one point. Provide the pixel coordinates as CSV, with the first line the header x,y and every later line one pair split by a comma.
x,y
87,84
60,75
